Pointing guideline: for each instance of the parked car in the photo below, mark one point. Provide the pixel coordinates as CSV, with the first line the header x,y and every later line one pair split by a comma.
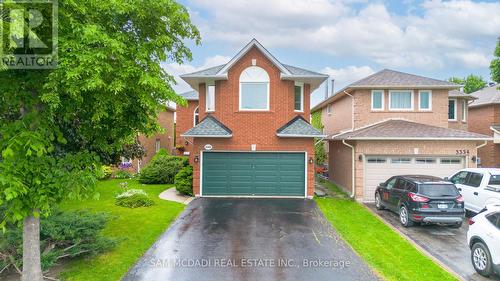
x,y
422,199
484,240
479,187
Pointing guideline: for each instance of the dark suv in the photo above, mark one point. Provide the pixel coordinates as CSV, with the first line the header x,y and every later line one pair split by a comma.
x,y
423,199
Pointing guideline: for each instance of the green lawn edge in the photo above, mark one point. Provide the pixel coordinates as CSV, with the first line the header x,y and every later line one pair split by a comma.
x,y
137,230
389,254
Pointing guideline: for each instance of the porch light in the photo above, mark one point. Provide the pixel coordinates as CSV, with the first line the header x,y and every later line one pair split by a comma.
x,y
196,159
360,158
474,158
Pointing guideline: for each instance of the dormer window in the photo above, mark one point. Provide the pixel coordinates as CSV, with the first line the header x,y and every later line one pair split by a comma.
x,y
254,89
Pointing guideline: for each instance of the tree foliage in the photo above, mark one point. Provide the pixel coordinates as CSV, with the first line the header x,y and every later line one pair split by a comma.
x,y
319,147
495,63
471,83
57,125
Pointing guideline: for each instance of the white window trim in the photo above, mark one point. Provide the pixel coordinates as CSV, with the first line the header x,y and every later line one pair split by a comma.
x,y
455,108
383,101
402,109
329,109
206,97
464,110
301,85
430,100
253,109
194,115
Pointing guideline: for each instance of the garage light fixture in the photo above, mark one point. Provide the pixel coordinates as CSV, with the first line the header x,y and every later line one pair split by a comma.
x,y
360,158
311,160
474,158
196,159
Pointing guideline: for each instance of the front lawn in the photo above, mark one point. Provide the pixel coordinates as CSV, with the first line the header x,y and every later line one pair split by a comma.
x,y
137,230
382,248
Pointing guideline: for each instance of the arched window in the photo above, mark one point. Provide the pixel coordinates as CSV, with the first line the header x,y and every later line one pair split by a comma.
x,y
196,116
254,89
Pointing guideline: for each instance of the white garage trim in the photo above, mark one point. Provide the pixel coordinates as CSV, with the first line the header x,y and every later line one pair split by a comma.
x,y
391,165
306,162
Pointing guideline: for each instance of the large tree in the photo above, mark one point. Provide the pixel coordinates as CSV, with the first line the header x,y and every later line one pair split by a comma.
x,y
471,83
57,125
495,64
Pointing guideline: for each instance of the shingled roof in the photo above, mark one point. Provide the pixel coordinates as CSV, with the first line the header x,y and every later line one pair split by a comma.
x,y
460,94
392,78
398,129
488,95
191,95
209,127
298,127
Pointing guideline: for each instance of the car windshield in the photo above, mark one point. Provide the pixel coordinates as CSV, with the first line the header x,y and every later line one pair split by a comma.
x,y
494,180
438,190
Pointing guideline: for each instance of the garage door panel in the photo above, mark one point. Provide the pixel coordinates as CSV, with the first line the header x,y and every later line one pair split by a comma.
x,y
253,173
375,173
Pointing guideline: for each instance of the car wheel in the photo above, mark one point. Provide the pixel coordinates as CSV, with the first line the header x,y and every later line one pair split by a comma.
x,y
378,202
404,217
481,259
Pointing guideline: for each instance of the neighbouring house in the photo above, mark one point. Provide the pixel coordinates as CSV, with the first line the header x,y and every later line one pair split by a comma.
x,y
247,132
393,123
484,117
155,142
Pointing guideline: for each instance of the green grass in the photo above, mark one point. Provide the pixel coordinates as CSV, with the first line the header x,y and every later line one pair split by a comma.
x,y
137,230
389,254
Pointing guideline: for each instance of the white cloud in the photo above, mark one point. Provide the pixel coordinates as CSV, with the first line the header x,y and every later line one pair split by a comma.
x,y
435,34
343,77
176,69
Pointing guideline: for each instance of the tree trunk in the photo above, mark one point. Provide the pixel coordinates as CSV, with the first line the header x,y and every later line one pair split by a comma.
x,y
32,269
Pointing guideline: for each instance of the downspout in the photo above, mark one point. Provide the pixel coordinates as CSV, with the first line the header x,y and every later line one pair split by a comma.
x,y
353,163
353,160
478,147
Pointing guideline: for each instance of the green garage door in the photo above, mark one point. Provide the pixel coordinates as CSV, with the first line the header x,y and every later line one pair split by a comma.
x,y
253,174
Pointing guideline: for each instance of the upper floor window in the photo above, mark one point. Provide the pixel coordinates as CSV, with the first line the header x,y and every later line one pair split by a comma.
x,y
452,110
425,100
254,89
210,98
329,109
401,100
464,110
299,97
378,100
196,116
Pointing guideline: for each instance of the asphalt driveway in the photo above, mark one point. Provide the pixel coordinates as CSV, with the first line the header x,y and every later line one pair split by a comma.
x,y
448,245
250,239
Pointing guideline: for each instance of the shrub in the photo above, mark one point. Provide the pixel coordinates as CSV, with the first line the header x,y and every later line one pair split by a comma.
x,y
122,174
103,172
184,181
134,198
162,169
160,153
62,235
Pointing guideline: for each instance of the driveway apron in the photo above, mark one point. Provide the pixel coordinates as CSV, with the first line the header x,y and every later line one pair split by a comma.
x,y
250,239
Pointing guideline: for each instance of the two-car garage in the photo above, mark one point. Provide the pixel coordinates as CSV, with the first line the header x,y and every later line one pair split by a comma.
x,y
253,174
380,168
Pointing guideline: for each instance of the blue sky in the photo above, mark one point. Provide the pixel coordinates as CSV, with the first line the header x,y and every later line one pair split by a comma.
x,y
349,39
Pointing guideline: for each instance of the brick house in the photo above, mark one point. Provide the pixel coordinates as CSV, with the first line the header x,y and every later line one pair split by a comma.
x,y
484,116
247,132
155,142
393,123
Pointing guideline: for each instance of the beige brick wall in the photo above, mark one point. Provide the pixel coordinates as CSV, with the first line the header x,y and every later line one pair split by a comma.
x,y
340,117
425,148
340,164
363,115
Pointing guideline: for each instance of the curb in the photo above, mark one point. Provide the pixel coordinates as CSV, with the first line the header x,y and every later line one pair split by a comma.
x,y
418,247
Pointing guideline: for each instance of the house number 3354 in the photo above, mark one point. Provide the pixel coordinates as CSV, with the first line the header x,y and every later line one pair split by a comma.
x,y
462,151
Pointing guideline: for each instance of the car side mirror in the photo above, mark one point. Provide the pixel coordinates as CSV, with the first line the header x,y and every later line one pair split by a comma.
x,y
382,184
